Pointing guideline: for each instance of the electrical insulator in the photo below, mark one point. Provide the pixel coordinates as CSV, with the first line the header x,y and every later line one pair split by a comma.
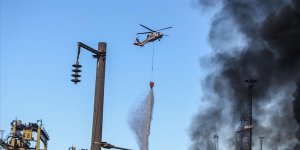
x,y
76,72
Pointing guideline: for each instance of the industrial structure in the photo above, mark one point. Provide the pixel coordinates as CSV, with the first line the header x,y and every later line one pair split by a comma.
x,y
244,135
22,137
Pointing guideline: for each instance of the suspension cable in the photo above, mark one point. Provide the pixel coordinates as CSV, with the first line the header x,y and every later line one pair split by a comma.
x,y
152,63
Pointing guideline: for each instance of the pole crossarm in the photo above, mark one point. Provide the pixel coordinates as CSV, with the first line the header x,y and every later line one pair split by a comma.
x,y
109,146
95,52
88,48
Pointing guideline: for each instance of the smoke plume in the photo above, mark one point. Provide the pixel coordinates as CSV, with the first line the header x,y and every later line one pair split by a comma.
x,y
252,39
140,121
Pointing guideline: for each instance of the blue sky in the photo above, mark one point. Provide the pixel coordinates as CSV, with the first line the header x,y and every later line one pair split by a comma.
x,y
38,46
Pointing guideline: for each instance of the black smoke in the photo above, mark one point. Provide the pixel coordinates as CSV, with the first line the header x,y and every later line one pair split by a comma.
x,y
257,39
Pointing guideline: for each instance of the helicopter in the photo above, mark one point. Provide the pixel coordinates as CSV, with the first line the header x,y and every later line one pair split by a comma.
x,y
152,36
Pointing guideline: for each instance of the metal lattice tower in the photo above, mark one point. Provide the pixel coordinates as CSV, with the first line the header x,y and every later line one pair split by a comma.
x,y
244,134
247,141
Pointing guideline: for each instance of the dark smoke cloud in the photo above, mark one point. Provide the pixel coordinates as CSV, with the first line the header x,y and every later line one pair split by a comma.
x,y
253,39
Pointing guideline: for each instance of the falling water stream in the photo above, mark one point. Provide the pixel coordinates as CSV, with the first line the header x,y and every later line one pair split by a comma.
x,y
140,121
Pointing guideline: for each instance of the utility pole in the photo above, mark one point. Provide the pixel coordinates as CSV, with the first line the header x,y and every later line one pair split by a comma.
x,y
216,138
100,54
99,97
261,141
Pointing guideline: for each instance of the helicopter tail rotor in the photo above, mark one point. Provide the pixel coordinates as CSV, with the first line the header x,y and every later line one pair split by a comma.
x,y
137,40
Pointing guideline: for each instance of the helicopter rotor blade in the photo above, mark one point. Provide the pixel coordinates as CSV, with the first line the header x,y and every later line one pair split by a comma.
x,y
166,35
164,28
144,32
147,28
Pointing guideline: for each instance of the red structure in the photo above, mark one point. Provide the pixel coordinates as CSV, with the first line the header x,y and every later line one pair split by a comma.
x,y
151,84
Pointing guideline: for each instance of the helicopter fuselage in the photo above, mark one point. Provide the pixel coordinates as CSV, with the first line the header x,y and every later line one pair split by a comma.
x,y
150,38
152,35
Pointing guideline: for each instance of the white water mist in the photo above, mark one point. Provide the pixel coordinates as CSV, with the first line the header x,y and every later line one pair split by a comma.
x,y
140,121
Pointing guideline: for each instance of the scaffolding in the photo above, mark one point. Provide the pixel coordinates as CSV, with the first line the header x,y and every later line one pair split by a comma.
x,y
244,135
22,137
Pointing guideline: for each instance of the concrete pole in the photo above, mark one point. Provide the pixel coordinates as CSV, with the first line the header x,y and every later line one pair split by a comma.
x,y
99,98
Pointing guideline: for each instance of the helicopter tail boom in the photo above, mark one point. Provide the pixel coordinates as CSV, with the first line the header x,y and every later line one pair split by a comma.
x,y
138,43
